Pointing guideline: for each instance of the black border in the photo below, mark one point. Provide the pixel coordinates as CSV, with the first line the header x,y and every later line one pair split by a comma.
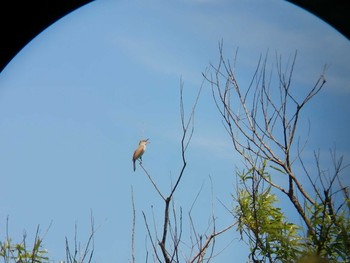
x,y
21,21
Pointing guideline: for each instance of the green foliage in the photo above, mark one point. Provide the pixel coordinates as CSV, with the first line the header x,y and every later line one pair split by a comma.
x,y
271,236
332,230
20,253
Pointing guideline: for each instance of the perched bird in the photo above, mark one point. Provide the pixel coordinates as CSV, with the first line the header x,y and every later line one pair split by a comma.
x,y
139,151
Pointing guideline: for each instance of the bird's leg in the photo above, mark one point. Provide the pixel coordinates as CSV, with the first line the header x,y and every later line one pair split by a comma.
x,y
140,159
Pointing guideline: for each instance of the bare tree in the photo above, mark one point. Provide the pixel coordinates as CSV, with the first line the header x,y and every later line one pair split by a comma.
x,y
262,121
167,245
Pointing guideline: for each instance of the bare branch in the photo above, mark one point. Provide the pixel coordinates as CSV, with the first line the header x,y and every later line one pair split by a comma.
x,y
133,226
150,237
86,251
152,181
200,255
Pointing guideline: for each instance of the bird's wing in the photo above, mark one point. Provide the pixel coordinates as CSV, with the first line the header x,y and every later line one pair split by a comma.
x,y
137,154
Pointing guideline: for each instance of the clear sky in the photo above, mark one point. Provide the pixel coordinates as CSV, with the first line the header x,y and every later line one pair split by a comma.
x,y
76,100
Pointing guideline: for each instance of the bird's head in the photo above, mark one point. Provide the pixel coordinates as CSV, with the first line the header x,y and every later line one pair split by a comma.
x,y
146,141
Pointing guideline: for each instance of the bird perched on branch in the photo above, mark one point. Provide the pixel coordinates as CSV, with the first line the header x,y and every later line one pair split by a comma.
x,y
139,151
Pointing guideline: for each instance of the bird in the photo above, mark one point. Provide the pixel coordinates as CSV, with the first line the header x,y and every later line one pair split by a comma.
x,y
139,151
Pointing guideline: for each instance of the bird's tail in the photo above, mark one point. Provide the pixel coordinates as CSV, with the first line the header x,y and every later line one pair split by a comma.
x,y
134,165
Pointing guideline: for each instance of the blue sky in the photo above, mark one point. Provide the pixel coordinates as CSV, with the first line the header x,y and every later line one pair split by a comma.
x,y
76,100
